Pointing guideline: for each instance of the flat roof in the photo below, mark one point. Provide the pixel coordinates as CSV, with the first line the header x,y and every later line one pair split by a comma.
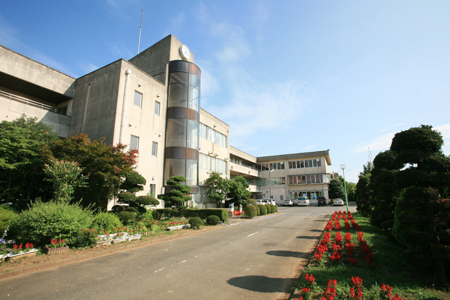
x,y
325,153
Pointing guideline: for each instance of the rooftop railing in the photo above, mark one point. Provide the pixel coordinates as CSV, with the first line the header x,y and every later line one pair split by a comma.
x,y
61,111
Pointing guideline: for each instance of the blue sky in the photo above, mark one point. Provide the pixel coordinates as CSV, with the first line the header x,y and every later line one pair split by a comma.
x,y
287,76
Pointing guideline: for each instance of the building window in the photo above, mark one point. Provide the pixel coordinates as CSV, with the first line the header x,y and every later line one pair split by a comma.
x,y
137,99
155,149
134,143
152,190
157,105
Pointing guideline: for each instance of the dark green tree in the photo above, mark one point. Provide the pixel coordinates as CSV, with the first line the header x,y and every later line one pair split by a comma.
x,y
336,189
133,183
384,190
351,189
238,191
362,194
23,153
176,194
217,187
104,166
421,216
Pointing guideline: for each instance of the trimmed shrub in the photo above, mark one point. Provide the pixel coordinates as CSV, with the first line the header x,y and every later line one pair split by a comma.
x,y
250,211
7,216
195,222
213,220
50,220
205,213
263,209
269,208
258,211
127,217
275,208
106,221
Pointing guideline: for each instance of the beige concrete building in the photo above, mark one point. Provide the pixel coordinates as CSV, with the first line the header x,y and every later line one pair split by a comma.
x,y
152,104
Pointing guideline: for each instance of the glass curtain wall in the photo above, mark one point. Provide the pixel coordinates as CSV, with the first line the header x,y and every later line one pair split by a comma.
x,y
182,129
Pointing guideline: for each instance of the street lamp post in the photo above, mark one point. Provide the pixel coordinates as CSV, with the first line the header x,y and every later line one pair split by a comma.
x,y
270,185
345,186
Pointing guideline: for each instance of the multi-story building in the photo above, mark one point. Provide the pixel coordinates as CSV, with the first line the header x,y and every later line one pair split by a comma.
x,y
152,104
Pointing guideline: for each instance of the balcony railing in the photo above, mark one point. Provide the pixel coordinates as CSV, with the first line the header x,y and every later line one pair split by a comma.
x,y
34,103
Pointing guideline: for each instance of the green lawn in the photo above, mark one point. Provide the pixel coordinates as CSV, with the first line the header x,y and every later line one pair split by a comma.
x,y
390,267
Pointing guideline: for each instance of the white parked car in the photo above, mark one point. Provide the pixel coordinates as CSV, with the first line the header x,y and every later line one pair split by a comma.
x,y
266,201
303,201
338,201
287,203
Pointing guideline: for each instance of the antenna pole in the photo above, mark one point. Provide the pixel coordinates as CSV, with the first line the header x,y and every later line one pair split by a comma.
x,y
140,29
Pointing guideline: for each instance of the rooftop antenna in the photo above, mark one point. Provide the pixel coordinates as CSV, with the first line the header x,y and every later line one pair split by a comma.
x,y
140,29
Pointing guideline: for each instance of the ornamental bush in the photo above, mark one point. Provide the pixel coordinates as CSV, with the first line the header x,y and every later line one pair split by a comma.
x,y
213,220
50,220
263,209
258,211
7,216
195,222
106,221
250,211
127,217
270,208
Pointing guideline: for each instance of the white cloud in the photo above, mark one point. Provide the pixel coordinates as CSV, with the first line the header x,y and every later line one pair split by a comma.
x,y
389,127
381,143
444,130
88,68
251,105
258,107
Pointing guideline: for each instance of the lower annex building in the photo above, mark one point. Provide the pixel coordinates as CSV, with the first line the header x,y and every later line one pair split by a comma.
x,y
152,103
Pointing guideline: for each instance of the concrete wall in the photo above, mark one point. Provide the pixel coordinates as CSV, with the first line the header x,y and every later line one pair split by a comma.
x,y
22,67
11,110
153,60
95,102
143,123
209,148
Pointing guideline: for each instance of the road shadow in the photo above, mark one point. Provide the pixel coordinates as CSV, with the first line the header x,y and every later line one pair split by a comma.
x,y
263,284
282,253
316,230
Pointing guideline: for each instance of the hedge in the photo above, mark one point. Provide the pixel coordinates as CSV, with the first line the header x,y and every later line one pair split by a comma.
x,y
201,213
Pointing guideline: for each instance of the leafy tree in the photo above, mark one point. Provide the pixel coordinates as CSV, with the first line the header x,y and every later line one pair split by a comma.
x,y
367,169
105,167
421,216
238,192
175,192
351,189
134,183
65,176
217,187
336,189
362,194
384,190
23,152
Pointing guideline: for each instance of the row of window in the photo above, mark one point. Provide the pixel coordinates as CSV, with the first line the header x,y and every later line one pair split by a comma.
x,y
310,163
213,136
138,102
134,145
311,195
305,179
270,166
212,164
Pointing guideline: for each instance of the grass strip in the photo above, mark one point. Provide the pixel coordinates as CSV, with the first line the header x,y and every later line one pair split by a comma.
x,y
390,267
